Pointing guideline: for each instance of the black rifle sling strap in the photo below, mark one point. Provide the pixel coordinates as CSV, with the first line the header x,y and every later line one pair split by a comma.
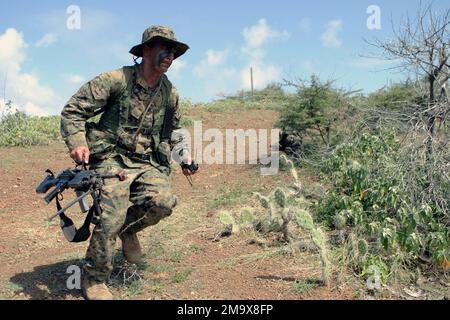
x,y
71,233
142,118
168,121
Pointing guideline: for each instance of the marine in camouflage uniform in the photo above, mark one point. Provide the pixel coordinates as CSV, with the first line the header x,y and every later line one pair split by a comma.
x,y
128,138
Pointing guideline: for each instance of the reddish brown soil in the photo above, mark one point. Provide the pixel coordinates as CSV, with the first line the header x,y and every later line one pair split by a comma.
x,y
182,259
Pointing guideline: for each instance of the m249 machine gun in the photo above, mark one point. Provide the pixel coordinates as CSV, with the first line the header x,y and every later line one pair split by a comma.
x,y
84,183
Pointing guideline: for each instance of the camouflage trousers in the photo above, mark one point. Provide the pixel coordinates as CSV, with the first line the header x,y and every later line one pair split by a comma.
x,y
141,200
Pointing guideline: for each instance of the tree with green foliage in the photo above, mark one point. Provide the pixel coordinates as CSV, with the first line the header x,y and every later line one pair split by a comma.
x,y
396,97
313,110
420,46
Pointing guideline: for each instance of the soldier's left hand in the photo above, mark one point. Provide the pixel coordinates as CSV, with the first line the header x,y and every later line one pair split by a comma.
x,y
188,172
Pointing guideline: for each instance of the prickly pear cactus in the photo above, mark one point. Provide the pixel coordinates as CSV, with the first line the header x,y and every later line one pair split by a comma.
x,y
244,221
246,216
266,204
305,221
280,197
287,213
339,221
319,239
279,208
227,219
296,185
363,247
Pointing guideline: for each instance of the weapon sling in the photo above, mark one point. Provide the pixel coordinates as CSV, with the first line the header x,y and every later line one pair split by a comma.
x,y
71,233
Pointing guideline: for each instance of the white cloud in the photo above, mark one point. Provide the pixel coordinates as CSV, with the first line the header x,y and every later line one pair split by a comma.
x,y
262,75
46,40
23,88
221,81
305,25
176,67
219,78
29,108
74,78
216,57
370,63
12,52
330,36
34,110
256,35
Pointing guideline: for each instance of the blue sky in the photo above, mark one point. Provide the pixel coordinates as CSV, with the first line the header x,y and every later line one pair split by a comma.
x,y
44,62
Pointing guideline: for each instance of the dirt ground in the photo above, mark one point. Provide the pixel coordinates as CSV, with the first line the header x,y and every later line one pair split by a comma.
x,y
183,257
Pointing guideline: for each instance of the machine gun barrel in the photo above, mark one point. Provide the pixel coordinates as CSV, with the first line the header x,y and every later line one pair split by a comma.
x,y
52,194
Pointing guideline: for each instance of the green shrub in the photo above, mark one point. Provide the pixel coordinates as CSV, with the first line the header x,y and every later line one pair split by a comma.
x,y
396,96
371,188
315,114
20,129
272,97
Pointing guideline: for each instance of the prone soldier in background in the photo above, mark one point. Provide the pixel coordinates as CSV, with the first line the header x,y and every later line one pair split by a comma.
x,y
138,130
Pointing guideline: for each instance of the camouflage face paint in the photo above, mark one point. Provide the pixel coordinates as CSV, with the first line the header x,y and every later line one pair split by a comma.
x,y
163,54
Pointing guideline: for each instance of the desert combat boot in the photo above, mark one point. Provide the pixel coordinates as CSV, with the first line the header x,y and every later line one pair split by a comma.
x,y
95,290
131,247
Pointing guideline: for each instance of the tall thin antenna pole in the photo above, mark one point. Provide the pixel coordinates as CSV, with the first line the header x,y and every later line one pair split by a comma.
x,y
251,80
4,86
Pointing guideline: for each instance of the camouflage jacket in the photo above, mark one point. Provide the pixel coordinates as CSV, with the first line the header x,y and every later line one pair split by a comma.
x,y
132,117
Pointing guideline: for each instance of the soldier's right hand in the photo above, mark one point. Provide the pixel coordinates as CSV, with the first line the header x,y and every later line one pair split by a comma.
x,y
80,155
